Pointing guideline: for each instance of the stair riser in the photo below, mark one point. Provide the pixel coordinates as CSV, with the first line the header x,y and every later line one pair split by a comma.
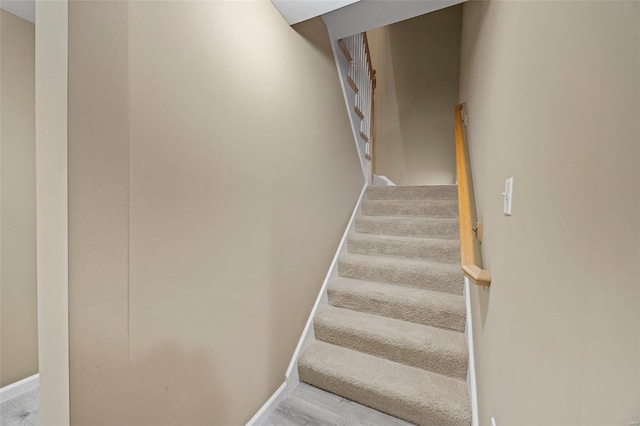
x,y
438,360
410,276
410,411
439,251
440,192
448,317
408,227
447,208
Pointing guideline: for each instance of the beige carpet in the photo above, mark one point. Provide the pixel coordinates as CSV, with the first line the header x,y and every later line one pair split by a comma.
x,y
392,337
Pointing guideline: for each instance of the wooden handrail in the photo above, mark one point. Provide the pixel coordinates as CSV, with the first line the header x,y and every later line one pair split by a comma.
x,y
368,53
372,78
470,254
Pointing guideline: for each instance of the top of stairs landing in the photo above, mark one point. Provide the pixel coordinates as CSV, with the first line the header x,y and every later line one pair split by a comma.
x,y
426,192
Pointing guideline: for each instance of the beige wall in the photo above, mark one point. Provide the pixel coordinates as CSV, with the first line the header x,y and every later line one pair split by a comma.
x,y
417,64
212,173
553,95
19,320
389,153
52,210
98,212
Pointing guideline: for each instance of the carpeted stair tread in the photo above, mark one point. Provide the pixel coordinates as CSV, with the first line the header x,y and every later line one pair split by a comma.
x,y
435,249
417,345
419,208
409,393
441,192
445,277
404,303
392,336
408,226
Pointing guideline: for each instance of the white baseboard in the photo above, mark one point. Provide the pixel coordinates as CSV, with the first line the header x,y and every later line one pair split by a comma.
x,y
322,299
380,180
291,376
271,404
18,388
471,373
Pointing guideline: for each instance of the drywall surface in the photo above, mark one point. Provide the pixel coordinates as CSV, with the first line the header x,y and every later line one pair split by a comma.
x,y
553,97
295,12
25,9
98,212
388,149
366,15
19,317
52,210
417,66
212,174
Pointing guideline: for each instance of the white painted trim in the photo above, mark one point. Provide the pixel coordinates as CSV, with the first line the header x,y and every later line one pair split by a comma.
x,y
265,411
322,299
52,218
342,67
18,388
366,15
301,10
381,180
291,376
471,373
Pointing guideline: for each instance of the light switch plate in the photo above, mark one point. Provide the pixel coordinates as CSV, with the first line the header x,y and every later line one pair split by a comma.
x,y
508,196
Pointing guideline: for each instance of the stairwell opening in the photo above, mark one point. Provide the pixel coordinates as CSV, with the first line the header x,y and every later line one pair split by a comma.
x,y
417,63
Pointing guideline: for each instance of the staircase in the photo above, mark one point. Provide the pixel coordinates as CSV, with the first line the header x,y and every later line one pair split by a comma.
x,y
392,337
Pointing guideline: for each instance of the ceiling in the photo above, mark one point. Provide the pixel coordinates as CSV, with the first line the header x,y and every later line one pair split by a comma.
x,y
26,9
295,11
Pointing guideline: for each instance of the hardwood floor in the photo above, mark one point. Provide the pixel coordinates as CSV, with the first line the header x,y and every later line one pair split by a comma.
x,y
23,410
307,405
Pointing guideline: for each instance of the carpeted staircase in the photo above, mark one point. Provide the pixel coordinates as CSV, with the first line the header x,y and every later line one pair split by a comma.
x,y
392,337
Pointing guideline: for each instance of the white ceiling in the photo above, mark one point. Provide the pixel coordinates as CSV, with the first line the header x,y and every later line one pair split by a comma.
x,y
366,15
295,11
26,9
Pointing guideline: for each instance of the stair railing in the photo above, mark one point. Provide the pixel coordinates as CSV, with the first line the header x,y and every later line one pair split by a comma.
x,y
470,228
361,78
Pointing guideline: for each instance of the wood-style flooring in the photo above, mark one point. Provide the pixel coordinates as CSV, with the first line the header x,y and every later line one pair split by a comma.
x,y
307,405
22,410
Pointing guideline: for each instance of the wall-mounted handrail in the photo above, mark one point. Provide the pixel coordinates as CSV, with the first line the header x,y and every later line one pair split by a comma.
x,y
470,254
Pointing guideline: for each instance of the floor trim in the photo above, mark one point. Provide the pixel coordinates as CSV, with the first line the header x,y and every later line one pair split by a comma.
x,y
18,388
291,376
322,300
265,411
381,180
471,374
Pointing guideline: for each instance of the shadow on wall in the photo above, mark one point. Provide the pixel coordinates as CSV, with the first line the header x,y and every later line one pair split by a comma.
x,y
307,209
314,32
482,302
388,159
168,384
474,27
180,384
294,237
483,299
418,62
